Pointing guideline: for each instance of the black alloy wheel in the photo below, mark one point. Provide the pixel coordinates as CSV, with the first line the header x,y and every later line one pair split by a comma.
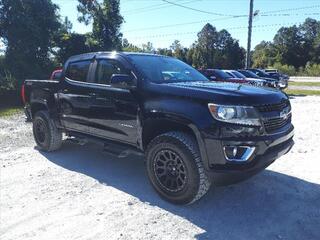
x,y
170,170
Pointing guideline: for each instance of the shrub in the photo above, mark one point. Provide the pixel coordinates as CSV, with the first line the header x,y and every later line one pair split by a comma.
x,y
312,70
7,82
286,69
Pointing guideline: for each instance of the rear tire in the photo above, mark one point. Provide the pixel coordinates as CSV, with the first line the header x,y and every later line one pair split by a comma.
x,y
175,168
47,136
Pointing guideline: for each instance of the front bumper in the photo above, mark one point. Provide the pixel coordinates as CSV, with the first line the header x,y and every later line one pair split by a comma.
x,y
267,149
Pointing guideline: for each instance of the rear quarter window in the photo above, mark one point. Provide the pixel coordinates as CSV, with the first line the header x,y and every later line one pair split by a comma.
x,y
78,71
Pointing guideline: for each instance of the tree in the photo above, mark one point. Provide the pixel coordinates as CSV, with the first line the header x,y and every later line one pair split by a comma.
x,y
179,51
27,28
148,47
66,26
265,54
293,46
106,21
215,50
229,54
69,44
129,47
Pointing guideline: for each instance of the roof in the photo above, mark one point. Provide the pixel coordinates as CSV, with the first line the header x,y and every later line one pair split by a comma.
x,y
106,53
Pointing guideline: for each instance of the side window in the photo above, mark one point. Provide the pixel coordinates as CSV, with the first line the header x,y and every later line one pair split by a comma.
x,y
106,68
78,71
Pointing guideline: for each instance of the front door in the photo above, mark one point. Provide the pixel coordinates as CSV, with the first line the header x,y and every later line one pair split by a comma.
x,y
114,110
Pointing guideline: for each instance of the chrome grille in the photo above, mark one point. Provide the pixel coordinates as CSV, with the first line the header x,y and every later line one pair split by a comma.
x,y
273,107
272,124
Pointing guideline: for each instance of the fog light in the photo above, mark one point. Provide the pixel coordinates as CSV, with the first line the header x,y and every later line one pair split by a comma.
x,y
238,153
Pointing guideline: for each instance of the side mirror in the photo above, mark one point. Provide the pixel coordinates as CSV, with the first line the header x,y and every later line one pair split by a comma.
x,y
123,81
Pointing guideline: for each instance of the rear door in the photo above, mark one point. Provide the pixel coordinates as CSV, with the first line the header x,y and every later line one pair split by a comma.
x,y
114,110
75,96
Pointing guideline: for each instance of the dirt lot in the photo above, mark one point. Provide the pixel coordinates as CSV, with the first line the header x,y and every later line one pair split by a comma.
x,y
81,192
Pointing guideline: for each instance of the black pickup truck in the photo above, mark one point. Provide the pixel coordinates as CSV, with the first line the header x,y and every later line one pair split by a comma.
x,y
193,133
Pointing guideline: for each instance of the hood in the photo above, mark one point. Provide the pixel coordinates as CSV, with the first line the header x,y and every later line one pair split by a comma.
x,y
221,92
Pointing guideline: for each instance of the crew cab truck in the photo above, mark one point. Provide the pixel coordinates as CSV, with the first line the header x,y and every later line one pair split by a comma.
x,y
193,133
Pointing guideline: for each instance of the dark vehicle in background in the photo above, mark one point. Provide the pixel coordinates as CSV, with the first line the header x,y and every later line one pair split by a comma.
x,y
276,73
281,83
253,81
221,76
56,74
192,132
271,81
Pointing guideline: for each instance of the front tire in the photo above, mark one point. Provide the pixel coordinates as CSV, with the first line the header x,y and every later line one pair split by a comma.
x,y
47,136
175,168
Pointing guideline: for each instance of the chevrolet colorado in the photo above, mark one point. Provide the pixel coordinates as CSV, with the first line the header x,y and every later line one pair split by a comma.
x,y
193,133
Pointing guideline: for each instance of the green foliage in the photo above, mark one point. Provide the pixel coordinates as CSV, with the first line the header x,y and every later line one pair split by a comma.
x,y
294,46
128,47
264,55
295,92
106,21
7,82
148,47
216,50
27,28
312,70
69,44
7,112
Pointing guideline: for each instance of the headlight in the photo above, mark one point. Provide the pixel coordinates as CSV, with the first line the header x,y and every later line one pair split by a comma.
x,y
244,115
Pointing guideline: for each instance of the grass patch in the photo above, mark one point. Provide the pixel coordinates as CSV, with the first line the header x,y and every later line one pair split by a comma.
x,y
6,112
310,84
302,92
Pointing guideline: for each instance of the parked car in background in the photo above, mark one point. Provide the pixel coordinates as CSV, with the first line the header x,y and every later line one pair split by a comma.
x,y
271,81
276,73
281,83
221,76
253,81
56,74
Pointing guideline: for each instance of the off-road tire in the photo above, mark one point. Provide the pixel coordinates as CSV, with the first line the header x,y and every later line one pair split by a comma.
x,y
51,139
197,182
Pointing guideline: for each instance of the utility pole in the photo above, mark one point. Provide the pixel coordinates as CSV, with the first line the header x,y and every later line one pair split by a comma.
x,y
248,62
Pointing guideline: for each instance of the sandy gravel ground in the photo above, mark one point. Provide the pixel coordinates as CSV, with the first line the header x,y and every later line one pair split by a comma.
x,y
81,192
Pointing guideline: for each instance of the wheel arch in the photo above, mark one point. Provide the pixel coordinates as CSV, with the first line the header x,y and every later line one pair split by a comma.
x,y
156,126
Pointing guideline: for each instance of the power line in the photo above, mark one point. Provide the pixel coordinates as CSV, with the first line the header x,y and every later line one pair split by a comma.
x,y
198,10
292,9
180,24
155,7
289,14
216,19
255,28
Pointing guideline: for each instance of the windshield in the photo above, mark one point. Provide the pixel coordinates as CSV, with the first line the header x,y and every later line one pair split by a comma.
x,y
249,74
260,73
165,69
237,74
222,74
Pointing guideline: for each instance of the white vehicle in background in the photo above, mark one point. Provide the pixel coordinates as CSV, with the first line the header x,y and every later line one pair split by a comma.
x,y
253,81
283,78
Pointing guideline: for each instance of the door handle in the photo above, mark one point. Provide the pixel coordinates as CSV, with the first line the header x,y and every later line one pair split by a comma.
x,y
92,94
